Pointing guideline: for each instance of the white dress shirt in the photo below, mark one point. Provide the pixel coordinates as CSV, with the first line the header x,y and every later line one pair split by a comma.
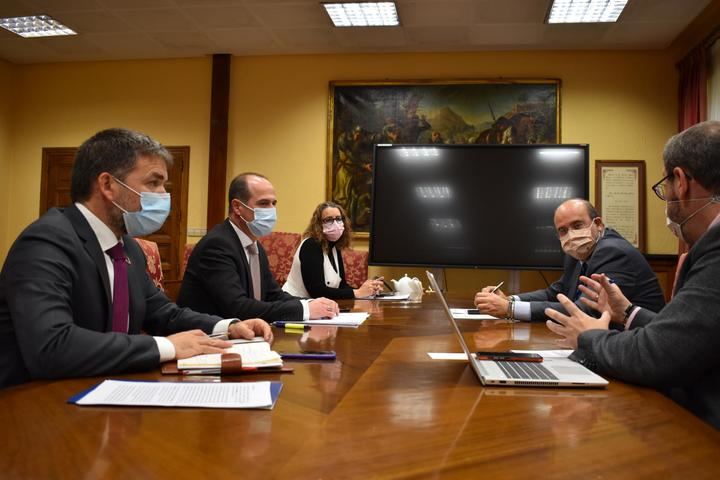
x,y
246,241
107,240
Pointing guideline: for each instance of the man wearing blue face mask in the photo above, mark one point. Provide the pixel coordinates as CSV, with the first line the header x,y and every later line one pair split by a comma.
x,y
228,273
75,297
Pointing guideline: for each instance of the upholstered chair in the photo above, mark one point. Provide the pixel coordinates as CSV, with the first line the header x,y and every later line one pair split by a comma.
x,y
356,267
154,265
280,248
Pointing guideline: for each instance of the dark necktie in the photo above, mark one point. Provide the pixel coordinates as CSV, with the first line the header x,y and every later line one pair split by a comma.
x,y
255,270
120,289
583,271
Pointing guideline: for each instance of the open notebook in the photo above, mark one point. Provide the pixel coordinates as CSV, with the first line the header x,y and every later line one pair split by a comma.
x,y
249,354
254,354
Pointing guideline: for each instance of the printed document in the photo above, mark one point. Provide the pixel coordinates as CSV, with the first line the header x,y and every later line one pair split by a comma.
x,y
180,394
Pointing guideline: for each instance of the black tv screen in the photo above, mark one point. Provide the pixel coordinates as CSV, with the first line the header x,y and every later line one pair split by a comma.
x,y
481,206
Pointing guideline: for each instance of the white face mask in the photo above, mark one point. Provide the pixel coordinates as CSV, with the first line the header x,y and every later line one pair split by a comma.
x,y
675,227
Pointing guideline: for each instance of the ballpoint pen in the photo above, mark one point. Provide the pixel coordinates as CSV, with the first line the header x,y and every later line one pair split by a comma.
x,y
497,286
384,282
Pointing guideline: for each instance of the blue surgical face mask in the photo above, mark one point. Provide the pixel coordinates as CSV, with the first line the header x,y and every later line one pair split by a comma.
x,y
264,221
154,210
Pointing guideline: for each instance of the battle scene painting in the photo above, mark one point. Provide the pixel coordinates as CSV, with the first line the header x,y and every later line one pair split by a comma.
x,y
463,112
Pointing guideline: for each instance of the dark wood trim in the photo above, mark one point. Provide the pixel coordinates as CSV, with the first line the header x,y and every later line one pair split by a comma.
x,y
182,160
47,154
664,266
217,165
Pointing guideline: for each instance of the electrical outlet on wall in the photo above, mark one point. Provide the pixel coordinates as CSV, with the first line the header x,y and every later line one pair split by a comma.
x,y
196,231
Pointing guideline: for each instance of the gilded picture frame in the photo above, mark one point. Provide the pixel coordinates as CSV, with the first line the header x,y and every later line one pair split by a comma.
x,y
485,111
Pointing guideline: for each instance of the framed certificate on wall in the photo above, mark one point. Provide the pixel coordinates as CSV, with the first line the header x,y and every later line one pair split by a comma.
x,y
620,198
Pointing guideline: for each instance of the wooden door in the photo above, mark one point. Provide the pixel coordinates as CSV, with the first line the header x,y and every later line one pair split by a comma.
x,y
55,192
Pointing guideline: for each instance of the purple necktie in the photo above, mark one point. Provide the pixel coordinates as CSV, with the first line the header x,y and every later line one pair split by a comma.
x,y
120,289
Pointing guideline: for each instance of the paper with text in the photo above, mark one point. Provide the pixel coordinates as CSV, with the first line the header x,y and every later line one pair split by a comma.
x,y
160,394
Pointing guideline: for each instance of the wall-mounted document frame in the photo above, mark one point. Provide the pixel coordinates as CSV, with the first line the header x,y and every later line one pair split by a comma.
x,y
620,198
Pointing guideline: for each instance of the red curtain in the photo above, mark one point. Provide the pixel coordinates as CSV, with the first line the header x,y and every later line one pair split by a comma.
x,y
693,88
692,95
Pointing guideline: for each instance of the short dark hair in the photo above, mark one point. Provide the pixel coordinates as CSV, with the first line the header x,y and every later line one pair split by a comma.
x,y
116,151
697,151
239,188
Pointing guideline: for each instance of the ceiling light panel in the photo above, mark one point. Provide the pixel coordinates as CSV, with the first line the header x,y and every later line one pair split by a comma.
x,y
35,26
585,11
363,14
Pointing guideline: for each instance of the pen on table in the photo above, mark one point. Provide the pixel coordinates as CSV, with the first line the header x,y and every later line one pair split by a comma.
x,y
291,325
220,336
384,282
497,286
211,371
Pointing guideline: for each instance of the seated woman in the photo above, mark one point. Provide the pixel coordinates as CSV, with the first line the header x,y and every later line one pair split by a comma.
x,y
317,269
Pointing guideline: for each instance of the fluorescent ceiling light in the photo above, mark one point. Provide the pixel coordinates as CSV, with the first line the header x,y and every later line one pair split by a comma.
x,y
585,11
363,14
35,26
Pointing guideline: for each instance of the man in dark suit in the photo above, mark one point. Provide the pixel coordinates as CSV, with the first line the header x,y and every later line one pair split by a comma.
x,y
228,273
676,349
75,298
590,247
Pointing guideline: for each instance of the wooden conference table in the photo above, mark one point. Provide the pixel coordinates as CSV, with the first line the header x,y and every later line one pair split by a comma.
x,y
384,409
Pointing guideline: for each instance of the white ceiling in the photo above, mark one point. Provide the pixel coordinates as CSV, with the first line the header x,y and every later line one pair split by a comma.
x,y
131,29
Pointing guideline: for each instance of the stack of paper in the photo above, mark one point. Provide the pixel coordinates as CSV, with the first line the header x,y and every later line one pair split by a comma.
x,y
159,394
351,319
254,354
463,314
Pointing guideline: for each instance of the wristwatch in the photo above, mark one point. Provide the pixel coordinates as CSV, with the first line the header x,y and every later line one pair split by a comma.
x,y
628,311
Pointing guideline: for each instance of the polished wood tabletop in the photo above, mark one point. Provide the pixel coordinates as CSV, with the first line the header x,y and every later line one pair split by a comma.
x,y
383,409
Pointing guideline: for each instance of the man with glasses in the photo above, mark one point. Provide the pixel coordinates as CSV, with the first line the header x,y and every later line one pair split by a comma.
x,y
590,248
228,270
676,349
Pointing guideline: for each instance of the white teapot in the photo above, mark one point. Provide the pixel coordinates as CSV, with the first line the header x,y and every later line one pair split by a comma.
x,y
411,286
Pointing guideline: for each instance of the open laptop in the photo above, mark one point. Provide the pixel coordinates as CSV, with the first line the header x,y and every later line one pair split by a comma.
x,y
552,372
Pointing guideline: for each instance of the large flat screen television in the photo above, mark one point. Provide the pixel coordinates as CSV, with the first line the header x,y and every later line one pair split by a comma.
x,y
477,206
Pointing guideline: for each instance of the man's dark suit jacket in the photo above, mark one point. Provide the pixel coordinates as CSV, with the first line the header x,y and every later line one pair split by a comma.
x,y
677,349
56,312
217,281
613,256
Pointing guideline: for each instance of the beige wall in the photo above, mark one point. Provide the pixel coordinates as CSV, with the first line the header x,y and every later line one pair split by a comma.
x,y
7,95
61,105
622,103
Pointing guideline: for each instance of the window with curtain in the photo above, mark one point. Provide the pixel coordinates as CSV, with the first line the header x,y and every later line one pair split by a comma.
x,y
714,82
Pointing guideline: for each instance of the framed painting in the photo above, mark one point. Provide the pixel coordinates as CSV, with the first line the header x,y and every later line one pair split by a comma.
x,y
361,115
620,198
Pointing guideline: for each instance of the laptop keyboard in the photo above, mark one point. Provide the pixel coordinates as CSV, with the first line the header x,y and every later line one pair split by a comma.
x,y
526,370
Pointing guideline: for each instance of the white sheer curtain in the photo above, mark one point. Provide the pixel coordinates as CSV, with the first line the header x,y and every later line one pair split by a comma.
x,y
714,83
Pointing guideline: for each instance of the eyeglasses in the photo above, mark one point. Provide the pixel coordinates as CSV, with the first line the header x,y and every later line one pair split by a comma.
x,y
659,187
330,220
